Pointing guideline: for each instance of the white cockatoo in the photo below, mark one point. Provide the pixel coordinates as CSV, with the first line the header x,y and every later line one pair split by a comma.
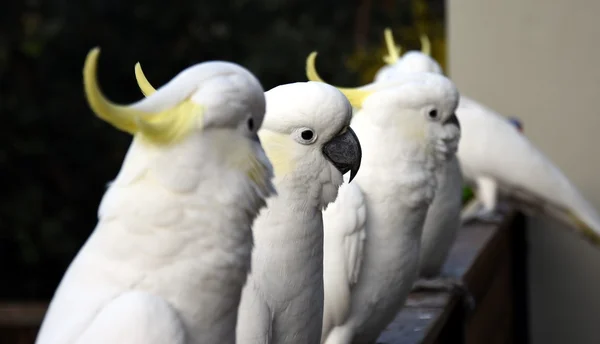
x,y
443,217
373,230
307,137
496,157
171,251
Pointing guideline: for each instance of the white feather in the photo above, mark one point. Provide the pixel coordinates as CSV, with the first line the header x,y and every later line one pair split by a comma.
x,y
493,148
396,184
345,234
283,299
171,251
443,219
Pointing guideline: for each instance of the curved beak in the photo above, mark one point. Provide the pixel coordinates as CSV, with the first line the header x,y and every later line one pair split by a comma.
x,y
344,152
452,120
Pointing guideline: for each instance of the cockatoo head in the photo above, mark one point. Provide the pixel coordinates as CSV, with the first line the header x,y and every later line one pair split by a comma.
x,y
417,108
412,61
307,137
218,100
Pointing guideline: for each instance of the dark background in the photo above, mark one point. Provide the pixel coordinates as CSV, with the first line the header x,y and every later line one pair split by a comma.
x,y
56,156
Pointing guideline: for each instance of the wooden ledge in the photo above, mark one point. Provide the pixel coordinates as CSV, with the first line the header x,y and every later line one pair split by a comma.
x,y
483,257
489,259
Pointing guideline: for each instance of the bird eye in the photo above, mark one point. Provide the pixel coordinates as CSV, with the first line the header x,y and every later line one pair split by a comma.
x,y
307,135
433,114
250,124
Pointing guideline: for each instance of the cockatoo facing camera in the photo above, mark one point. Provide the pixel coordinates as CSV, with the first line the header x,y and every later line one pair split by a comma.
x,y
307,137
500,160
373,230
443,217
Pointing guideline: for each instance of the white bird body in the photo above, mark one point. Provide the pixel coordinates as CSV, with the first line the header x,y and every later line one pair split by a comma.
x,y
443,217
282,302
496,156
401,151
283,299
345,221
396,209
170,253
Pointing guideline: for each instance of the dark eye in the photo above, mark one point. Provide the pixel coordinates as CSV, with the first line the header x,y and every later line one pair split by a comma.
x,y
251,124
433,114
307,135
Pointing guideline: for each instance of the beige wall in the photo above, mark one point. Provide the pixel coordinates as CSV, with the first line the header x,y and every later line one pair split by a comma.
x,y
539,60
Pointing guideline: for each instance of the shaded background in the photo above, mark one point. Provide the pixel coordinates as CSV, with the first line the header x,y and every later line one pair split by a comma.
x,y
56,156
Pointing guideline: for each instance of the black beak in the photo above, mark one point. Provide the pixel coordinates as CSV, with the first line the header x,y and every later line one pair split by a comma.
x,y
255,138
452,120
344,152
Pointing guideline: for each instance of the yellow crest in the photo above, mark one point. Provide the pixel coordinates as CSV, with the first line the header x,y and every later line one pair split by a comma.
x,y
356,96
425,45
161,127
143,83
394,50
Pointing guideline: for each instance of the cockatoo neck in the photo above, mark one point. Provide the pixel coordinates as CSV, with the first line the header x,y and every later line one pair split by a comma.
x,y
310,189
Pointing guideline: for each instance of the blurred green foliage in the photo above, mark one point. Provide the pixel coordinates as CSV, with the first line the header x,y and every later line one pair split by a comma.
x,y
467,194
56,157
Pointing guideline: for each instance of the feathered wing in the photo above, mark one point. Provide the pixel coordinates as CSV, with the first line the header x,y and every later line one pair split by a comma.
x,y
344,223
492,147
135,318
255,319
442,221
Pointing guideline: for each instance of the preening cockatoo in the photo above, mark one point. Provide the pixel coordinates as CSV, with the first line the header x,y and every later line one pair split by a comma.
x,y
306,135
170,254
443,217
373,230
500,160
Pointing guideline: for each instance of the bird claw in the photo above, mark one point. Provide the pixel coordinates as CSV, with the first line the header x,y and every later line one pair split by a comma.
x,y
446,284
491,217
477,212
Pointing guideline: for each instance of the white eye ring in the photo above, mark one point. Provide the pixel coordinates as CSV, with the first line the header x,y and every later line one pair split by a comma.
x,y
304,136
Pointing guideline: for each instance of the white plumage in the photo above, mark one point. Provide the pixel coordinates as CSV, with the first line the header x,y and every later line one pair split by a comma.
x,y
345,223
500,160
402,125
306,136
170,253
443,217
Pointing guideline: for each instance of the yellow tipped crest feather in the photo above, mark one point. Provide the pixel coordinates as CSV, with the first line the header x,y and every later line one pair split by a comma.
x,y
393,49
119,116
143,83
355,96
243,159
425,45
161,127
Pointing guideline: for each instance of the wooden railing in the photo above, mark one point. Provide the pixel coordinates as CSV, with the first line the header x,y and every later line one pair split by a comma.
x,y
489,259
